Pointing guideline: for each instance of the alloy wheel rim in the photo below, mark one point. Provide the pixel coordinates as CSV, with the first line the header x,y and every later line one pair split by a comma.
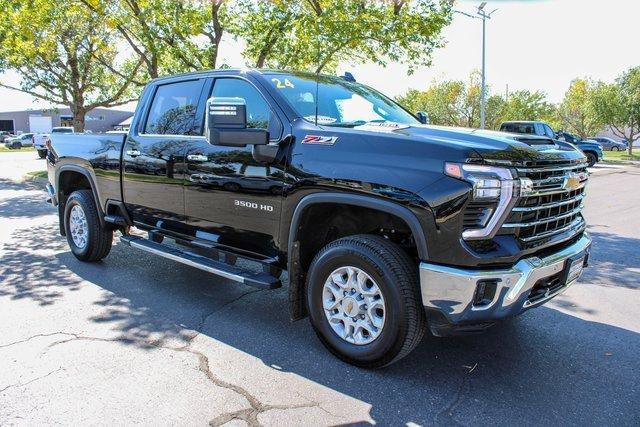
x,y
79,227
354,305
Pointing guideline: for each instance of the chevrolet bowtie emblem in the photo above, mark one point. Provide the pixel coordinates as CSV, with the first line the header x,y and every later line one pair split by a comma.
x,y
573,181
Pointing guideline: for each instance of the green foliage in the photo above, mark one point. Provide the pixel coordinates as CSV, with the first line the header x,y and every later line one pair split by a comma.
x,y
316,35
457,103
527,105
449,102
576,112
618,105
168,36
64,55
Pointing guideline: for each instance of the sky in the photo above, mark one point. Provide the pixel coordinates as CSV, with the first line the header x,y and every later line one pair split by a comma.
x,y
531,44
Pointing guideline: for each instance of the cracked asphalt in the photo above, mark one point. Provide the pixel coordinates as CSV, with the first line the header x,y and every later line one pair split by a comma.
x,y
137,339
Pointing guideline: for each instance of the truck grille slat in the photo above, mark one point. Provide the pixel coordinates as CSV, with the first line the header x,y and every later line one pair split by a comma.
x,y
553,209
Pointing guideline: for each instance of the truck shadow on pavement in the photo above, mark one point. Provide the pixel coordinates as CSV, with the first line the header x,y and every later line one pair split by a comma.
x,y
545,367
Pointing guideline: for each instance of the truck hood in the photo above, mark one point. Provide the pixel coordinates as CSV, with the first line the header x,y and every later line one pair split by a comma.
x,y
491,146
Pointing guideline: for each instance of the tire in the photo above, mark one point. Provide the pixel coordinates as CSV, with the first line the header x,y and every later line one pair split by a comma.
x,y
615,149
17,145
591,159
97,243
42,153
396,277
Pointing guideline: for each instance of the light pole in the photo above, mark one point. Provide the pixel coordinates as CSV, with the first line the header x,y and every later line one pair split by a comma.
x,y
481,14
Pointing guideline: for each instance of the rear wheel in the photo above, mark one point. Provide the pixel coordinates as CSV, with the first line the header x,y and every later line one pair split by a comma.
x,y
42,153
88,240
591,159
363,301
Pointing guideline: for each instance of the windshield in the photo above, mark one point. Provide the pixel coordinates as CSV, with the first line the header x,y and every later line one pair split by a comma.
x,y
340,102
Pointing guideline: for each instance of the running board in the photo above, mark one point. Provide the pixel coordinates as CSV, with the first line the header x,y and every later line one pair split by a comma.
x,y
247,277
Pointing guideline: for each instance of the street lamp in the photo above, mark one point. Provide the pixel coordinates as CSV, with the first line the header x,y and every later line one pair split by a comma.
x,y
481,14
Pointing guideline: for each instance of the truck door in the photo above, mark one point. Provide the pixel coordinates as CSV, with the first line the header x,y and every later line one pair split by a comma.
x,y
154,154
231,198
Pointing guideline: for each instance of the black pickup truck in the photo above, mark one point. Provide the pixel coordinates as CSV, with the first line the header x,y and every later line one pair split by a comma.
x,y
387,227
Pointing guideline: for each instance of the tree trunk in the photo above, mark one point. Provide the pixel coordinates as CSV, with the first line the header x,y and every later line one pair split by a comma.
x,y
78,119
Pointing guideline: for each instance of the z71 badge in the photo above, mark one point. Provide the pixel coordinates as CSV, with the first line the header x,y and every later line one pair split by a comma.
x,y
319,140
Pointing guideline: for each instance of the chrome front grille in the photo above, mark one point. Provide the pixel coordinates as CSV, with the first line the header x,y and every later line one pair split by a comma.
x,y
551,210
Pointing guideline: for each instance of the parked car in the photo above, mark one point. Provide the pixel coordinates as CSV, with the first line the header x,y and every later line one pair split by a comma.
x,y
17,142
4,135
610,143
40,144
387,226
591,149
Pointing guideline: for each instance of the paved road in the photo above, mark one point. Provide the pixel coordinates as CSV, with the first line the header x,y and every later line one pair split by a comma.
x,y
137,339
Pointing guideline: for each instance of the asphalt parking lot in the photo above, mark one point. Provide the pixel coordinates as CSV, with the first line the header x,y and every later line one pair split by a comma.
x,y
139,339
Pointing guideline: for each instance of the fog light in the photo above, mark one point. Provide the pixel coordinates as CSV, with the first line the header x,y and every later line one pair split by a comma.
x,y
485,292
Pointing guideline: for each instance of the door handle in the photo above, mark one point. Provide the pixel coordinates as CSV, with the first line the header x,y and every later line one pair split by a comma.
x,y
197,158
133,153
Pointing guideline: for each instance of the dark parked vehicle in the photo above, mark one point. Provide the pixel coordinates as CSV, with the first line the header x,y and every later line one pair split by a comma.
x,y
591,149
386,226
610,143
4,135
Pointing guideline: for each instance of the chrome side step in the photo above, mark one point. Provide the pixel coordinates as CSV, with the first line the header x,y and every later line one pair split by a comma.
x,y
247,277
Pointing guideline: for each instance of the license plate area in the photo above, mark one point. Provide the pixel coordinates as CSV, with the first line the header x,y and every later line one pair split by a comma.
x,y
573,268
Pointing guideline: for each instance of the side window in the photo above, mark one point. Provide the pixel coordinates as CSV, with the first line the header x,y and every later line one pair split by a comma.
x,y
539,130
548,132
259,114
173,110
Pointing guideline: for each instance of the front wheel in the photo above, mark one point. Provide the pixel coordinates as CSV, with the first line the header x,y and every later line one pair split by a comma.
x,y
88,240
591,159
364,302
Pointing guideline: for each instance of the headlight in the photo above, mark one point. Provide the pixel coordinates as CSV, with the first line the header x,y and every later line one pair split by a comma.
x,y
491,184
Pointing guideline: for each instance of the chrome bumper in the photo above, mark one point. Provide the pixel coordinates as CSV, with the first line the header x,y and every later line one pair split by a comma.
x,y
452,291
52,194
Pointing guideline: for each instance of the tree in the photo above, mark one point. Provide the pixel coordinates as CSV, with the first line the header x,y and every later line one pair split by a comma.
x,y
448,102
617,105
60,52
576,109
168,36
457,103
316,35
527,105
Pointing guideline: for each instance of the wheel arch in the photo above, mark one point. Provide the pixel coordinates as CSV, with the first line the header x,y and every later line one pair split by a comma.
x,y
74,177
295,262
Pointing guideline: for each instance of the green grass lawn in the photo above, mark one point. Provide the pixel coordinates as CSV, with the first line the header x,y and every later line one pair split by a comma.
x,y
622,155
38,174
4,149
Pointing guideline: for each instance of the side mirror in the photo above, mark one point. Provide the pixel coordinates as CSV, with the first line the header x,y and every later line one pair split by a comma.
x,y
226,124
423,117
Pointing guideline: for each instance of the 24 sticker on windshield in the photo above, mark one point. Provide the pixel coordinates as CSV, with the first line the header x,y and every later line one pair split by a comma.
x,y
319,140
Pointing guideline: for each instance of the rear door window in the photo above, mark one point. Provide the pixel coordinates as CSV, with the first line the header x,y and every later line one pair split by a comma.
x,y
173,110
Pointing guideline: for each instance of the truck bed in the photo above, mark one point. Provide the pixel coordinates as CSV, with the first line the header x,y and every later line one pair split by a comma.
x,y
98,154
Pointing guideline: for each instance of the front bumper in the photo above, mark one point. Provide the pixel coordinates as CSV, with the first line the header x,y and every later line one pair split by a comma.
x,y
453,293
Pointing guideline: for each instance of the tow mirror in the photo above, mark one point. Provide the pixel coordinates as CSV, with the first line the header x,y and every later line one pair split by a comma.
x,y
423,117
226,124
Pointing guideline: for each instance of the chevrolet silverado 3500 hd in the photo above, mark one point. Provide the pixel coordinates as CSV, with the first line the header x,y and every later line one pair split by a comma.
x,y
387,227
